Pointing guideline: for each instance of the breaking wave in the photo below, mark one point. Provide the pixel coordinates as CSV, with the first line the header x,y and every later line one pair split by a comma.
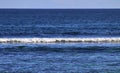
x,y
60,40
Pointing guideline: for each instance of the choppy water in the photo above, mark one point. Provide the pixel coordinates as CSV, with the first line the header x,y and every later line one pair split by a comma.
x,y
62,58
60,41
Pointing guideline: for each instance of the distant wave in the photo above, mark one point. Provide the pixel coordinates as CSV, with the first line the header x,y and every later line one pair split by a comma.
x,y
88,49
60,40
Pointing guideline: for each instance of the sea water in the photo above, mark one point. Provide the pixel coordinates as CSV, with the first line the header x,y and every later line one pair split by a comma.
x,y
60,40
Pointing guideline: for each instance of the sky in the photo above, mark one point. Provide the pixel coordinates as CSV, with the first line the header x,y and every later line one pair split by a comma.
x,y
59,4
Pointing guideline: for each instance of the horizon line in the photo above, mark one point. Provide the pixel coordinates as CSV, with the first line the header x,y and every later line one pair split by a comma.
x,y
59,8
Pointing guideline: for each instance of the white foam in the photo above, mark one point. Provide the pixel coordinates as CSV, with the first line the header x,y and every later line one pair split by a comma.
x,y
60,40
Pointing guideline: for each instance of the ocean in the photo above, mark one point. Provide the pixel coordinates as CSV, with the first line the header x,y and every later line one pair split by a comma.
x,y
60,40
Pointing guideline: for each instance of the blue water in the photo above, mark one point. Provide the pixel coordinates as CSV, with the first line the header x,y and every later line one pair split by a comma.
x,y
59,57
59,23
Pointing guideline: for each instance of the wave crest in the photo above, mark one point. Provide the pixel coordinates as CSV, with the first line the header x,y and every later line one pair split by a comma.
x,y
59,40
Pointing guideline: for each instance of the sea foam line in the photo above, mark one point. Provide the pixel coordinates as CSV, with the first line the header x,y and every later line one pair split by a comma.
x,y
60,40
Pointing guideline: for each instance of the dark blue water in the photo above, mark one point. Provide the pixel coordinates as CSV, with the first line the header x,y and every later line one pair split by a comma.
x,y
59,57
59,23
